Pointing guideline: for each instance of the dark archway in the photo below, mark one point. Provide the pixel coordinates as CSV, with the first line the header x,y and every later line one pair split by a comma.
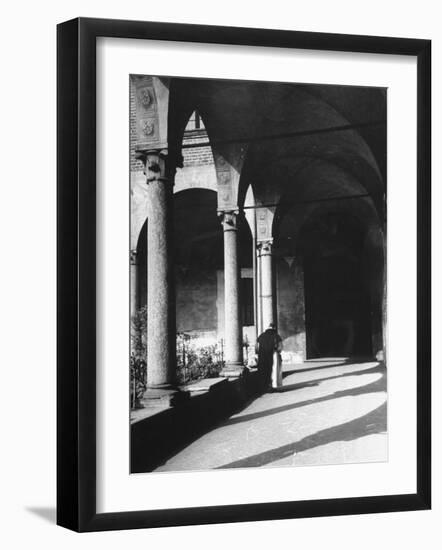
x,y
199,263
198,255
198,258
336,287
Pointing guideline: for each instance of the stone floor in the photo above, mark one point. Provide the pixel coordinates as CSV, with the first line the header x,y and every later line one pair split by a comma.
x,y
327,412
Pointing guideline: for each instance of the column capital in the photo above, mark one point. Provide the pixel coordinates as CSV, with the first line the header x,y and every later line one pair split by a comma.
x,y
159,164
265,247
229,219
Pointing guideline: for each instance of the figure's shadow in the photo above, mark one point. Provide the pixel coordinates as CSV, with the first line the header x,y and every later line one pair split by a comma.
x,y
46,513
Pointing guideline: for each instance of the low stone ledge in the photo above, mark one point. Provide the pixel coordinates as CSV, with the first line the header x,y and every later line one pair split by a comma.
x,y
206,384
158,401
158,433
136,415
163,397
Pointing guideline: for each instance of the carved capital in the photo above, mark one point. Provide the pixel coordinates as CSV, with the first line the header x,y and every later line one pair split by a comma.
x,y
265,247
229,219
159,165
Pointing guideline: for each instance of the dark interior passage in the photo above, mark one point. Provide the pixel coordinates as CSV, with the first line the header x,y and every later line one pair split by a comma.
x,y
337,298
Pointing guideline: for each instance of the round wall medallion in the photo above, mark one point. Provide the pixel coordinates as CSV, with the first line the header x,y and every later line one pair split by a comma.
x,y
147,127
145,98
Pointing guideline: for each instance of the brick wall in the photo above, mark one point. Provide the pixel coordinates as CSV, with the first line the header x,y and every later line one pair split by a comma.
x,y
135,165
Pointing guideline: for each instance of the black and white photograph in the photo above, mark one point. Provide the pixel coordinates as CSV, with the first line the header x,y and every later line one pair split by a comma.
x,y
220,298
258,284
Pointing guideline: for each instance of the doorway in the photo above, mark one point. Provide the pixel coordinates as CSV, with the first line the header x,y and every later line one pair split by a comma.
x,y
337,297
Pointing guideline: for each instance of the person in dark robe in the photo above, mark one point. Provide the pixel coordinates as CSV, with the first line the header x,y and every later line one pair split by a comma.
x,y
267,343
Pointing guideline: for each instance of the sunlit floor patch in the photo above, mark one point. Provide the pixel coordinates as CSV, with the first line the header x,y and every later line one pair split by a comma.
x,y
324,414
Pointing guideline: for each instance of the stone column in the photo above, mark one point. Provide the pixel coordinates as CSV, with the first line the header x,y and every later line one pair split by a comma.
x,y
266,268
232,315
133,303
258,292
133,282
161,313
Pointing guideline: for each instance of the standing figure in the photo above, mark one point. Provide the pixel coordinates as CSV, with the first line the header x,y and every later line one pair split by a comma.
x,y
268,345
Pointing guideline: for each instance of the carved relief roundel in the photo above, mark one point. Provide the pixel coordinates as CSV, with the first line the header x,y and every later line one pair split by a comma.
x,y
147,127
145,98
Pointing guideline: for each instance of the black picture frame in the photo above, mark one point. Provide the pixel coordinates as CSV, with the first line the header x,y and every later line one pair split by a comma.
x,y
76,274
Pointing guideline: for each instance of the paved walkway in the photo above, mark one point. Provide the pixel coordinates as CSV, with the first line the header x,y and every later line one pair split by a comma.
x,y
328,412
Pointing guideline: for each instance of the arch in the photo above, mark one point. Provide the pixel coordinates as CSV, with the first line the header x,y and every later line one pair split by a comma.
x,y
199,261
198,170
336,252
321,184
303,110
186,96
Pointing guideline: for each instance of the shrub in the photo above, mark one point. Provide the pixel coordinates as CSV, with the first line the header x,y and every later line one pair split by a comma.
x,y
138,379
139,332
195,361
138,366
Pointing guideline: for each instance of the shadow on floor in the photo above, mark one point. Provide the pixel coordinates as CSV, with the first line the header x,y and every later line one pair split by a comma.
x,y
328,365
316,382
374,422
187,422
374,387
46,513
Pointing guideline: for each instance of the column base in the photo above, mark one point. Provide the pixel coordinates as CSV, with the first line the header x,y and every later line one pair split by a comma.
x,y
164,396
232,370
